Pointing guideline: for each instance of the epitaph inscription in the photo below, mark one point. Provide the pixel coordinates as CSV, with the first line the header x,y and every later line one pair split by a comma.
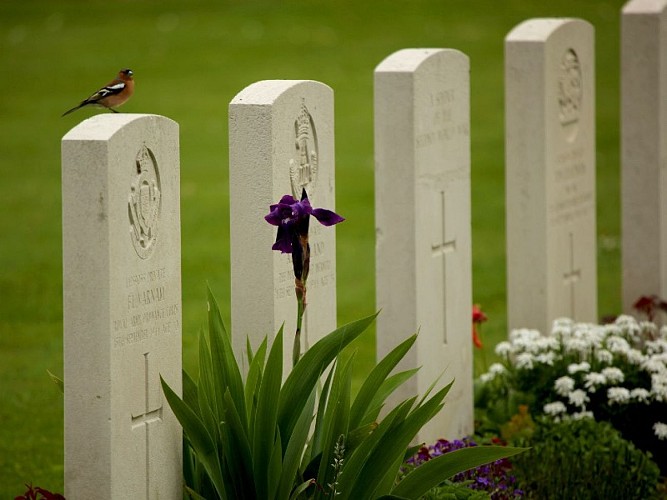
x,y
441,124
303,168
569,93
144,203
574,195
149,311
321,274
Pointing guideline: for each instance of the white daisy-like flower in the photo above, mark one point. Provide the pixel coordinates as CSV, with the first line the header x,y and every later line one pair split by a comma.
x,y
576,344
648,329
560,324
622,319
613,375
662,356
578,398
618,395
654,364
617,344
593,380
640,395
656,346
659,386
524,361
555,408
628,325
486,377
611,329
564,385
547,343
585,330
634,356
582,414
546,358
503,349
525,340
524,335
516,333
497,369
660,430
584,366
604,356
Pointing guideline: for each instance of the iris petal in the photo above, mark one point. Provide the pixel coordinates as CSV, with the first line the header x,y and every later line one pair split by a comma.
x,y
292,217
327,217
283,239
287,199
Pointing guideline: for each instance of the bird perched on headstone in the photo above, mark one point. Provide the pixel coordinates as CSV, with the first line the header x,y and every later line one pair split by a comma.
x,y
112,95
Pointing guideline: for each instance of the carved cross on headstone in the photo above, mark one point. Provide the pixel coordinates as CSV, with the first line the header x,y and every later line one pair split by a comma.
x,y
571,276
150,414
440,248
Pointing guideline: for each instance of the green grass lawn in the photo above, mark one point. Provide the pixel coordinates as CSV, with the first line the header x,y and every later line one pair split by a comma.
x,y
190,59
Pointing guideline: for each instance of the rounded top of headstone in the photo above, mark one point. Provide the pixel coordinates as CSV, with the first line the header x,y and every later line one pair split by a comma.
x,y
644,6
541,29
266,92
408,60
104,126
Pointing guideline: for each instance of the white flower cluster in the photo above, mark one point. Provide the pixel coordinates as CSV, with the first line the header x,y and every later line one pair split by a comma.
x,y
601,360
660,430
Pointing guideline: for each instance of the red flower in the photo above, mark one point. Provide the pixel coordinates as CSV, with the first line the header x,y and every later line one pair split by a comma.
x,y
475,339
38,493
650,305
478,317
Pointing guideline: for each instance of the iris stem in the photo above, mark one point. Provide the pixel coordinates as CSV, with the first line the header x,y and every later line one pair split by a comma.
x,y
300,289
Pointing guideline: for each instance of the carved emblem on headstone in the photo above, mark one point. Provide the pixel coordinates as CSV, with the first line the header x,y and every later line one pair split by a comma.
x,y
144,204
569,88
303,169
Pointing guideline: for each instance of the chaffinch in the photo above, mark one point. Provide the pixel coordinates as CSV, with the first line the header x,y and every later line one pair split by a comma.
x,y
113,94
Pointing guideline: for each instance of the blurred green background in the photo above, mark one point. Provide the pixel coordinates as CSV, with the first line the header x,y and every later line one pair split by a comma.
x,y
190,59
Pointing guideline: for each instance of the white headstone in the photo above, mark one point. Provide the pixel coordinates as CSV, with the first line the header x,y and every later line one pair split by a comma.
x,y
644,149
422,211
550,172
122,307
281,140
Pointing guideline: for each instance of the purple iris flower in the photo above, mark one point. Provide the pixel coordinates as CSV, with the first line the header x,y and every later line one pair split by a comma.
x,y
292,217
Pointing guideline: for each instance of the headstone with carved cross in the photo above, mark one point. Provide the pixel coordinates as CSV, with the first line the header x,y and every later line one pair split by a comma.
x,y
644,149
550,173
422,210
122,307
280,142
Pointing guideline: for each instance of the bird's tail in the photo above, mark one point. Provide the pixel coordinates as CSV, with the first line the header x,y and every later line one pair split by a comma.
x,y
74,108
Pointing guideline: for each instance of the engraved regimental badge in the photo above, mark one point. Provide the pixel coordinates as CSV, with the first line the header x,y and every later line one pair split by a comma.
x,y
144,204
303,168
570,91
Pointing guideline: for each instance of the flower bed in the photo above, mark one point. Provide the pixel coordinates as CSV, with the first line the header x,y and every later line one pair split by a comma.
x,y
615,372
